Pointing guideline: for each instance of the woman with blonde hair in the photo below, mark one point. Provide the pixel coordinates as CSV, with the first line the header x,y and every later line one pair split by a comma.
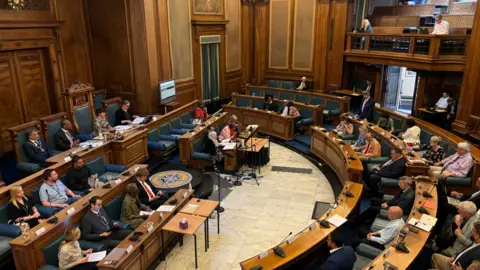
x,y
132,207
71,256
21,209
366,26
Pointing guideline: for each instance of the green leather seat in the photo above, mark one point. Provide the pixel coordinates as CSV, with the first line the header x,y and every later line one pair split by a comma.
x,y
258,103
242,102
397,125
425,137
317,101
273,83
287,85
301,98
285,95
272,93
256,92
333,107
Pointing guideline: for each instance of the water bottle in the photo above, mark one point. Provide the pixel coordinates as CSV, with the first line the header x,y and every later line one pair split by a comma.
x,y
189,187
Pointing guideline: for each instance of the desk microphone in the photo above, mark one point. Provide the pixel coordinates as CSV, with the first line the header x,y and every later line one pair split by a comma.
x,y
279,250
174,201
54,219
348,193
427,194
324,222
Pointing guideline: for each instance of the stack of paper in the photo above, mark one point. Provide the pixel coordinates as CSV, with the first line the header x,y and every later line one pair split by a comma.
x,y
425,223
123,127
191,208
138,120
229,146
97,256
337,220
166,208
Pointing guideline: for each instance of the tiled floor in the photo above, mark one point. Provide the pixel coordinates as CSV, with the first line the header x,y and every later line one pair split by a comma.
x,y
257,218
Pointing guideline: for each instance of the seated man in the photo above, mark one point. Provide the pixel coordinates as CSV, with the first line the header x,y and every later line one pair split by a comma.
x,y
79,177
96,226
394,168
473,197
35,149
442,102
441,26
123,115
372,149
361,142
63,138
147,193
269,105
303,85
341,257
383,237
404,200
53,193
462,228
463,259
457,165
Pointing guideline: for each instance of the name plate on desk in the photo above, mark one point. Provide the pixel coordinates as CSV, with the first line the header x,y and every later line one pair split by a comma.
x,y
269,111
185,195
118,181
67,159
136,169
313,226
70,211
40,231
150,228
263,255
291,239
129,249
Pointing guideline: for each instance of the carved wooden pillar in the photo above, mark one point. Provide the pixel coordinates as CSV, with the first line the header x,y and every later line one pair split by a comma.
x,y
260,26
322,43
469,94
336,41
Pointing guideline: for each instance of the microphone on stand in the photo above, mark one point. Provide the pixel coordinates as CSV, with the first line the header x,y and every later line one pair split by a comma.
x,y
174,201
324,222
348,193
54,219
279,250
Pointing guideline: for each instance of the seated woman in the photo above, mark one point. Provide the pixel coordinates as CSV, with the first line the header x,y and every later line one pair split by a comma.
x,y
71,256
100,123
345,127
269,105
201,111
21,209
412,135
290,110
386,123
434,152
361,142
228,132
132,206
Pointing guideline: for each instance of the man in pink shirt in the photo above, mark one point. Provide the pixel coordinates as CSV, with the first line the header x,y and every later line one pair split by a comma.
x,y
457,165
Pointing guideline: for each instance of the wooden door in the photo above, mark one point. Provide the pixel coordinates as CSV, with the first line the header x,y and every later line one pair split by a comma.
x,y
11,108
32,83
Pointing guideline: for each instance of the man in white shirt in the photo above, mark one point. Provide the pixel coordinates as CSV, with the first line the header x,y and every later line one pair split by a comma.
x,y
441,27
442,103
383,237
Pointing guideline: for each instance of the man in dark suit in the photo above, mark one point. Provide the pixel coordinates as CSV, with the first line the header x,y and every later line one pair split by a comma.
x,y
35,149
341,257
366,109
63,138
147,193
96,226
370,87
404,200
394,168
303,85
462,259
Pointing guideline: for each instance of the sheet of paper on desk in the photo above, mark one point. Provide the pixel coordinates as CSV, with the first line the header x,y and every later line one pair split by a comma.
x,y
97,256
146,213
138,120
251,126
166,208
123,127
337,220
429,220
191,207
229,146
415,222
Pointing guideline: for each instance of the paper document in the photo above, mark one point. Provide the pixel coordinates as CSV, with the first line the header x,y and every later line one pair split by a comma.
x,y
429,220
145,213
251,126
123,127
229,146
417,223
138,120
191,208
97,256
453,201
337,220
325,111
166,208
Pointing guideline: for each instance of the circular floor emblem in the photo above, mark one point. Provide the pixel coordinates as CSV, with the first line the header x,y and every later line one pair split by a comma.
x,y
174,179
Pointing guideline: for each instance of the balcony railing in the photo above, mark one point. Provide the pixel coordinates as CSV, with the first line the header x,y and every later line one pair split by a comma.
x,y
426,47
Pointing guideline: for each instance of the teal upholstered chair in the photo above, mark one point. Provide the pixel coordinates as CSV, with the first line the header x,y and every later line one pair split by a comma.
x,y
187,117
114,210
376,116
307,117
167,130
450,150
83,118
256,92
287,85
317,101
242,102
105,171
111,106
425,137
301,98
397,125
258,103
273,83
280,106
333,107
365,254
286,95
176,123
199,150
19,136
50,126
160,145
272,93
99,98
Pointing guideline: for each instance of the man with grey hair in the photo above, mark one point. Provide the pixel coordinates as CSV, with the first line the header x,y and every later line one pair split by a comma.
x,y
457,165
441,26
303,85
463,223
63,138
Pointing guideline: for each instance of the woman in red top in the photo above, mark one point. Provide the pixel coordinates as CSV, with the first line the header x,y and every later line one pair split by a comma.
x,y
201,111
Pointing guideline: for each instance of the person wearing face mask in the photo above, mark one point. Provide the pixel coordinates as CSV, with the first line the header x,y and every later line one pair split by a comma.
x,y
201,111
442,103
97,226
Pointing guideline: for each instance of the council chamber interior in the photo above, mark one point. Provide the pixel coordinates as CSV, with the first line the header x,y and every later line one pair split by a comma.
x,y
239,134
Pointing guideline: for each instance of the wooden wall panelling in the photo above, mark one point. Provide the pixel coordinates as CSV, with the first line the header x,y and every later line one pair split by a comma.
x,y
322,45
74,41
303,35
186,91
163,37
247,39
279,34
337,30
234,76
471,81
30,15
261,19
